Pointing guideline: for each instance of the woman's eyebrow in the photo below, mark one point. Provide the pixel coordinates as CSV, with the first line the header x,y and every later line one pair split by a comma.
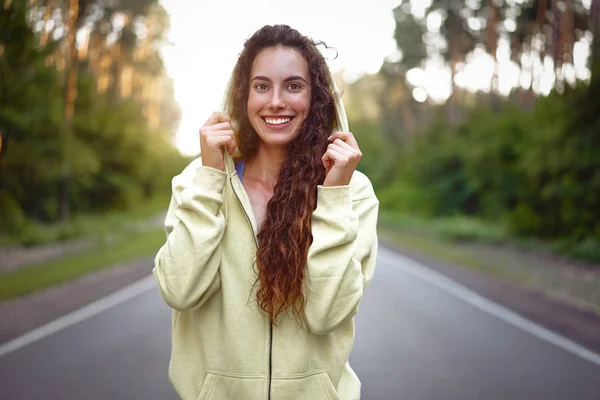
x,y
261,78
295,78
290,78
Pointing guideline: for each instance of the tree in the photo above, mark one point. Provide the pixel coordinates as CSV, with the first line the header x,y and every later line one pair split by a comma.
x,y
73,18
113,156
459,42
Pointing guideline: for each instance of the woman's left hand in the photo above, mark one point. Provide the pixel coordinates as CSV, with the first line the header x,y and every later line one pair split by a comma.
x,y
340,159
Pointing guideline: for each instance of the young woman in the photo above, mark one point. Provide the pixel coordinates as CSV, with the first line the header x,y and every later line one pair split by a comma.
x,y
271,236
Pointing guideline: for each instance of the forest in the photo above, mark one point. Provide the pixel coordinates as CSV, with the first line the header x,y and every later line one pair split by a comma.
x,y
518,159
87,112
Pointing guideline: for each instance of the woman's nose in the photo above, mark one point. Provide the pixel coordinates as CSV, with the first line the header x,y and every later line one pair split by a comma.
x,y
276,101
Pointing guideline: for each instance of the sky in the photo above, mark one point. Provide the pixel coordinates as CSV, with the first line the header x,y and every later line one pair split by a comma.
x,y
207,37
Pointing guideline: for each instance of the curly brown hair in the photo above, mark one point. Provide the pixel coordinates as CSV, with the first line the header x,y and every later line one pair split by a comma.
x,y
285,235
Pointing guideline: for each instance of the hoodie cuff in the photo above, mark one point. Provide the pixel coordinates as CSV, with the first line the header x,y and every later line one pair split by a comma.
x,y
334,219
334,196
210,179
205,191
335,202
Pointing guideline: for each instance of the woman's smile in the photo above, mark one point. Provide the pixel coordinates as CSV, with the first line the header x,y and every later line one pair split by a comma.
x,y
278,122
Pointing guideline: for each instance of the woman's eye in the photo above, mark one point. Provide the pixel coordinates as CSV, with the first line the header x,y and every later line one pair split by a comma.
x,y
261,86
294,86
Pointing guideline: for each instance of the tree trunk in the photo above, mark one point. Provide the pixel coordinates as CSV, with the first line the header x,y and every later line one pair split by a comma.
x,y
595,47
48,9
492,46
538,33
452,113
70,95
116,70
568,31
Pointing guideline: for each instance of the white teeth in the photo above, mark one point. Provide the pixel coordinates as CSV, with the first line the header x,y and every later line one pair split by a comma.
x,y
277,121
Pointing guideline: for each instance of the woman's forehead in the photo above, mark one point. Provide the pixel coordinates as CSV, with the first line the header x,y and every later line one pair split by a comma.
x,y
279,62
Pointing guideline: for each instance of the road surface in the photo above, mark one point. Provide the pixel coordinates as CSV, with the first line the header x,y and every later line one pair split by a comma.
x,y
419,337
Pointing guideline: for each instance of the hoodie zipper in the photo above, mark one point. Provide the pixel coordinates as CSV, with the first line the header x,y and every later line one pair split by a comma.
x,y
270,359
270,322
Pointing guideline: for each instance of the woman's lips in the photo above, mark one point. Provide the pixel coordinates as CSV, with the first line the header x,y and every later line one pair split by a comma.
x,y
280,125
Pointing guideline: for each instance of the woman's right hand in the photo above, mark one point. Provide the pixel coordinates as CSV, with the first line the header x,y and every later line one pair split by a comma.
x,y
216,136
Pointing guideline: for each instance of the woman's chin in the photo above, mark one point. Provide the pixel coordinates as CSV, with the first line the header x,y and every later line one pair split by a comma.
x,y
281,138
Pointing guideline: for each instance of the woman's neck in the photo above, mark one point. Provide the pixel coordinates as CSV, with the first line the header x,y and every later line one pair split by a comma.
x,y
264,166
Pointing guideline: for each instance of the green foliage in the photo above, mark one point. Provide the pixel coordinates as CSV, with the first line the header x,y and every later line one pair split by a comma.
x,y
406,197
409,37
371,142
116,161
463,228
433,162
90,225
532,174
13,219
587,249
562,167
455,228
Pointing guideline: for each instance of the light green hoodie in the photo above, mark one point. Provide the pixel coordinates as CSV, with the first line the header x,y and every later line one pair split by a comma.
x,y
223,346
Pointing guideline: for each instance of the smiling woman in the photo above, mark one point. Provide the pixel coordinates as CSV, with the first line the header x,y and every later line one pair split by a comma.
x,y
268,252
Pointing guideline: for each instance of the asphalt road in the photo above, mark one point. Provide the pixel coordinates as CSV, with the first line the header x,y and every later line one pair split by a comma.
x,y
419,336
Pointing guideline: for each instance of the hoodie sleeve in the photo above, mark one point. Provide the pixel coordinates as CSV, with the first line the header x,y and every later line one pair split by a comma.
x,y
341,258
186,266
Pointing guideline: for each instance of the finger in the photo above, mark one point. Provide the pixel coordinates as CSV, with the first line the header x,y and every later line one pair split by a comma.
x,y
217,133
354,152
213,119
346,137
231,146
344,145
327,162
220,141
334,156
217,117
216,127
206,137
341,150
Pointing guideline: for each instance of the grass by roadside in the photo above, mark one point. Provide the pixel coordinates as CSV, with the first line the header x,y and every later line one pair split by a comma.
x,y
471,229
488,249
448,252
87,225
39,276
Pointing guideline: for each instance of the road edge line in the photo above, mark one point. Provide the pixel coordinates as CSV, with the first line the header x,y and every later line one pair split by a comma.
x,y
471,297
81,314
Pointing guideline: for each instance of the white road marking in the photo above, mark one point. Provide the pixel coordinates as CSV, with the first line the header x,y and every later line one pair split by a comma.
x,y
426,274
98,306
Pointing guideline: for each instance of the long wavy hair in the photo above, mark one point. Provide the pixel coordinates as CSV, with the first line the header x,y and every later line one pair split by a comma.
x,y
285,235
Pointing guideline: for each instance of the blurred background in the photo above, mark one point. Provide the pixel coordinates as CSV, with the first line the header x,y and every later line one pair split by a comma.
x,y
490,110
479,123
87,114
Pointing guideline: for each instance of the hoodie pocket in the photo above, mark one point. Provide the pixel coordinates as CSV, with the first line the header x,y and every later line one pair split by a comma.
x,y
223,386
314,385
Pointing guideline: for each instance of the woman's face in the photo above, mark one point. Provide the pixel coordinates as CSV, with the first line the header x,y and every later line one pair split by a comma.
x,y
279,96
